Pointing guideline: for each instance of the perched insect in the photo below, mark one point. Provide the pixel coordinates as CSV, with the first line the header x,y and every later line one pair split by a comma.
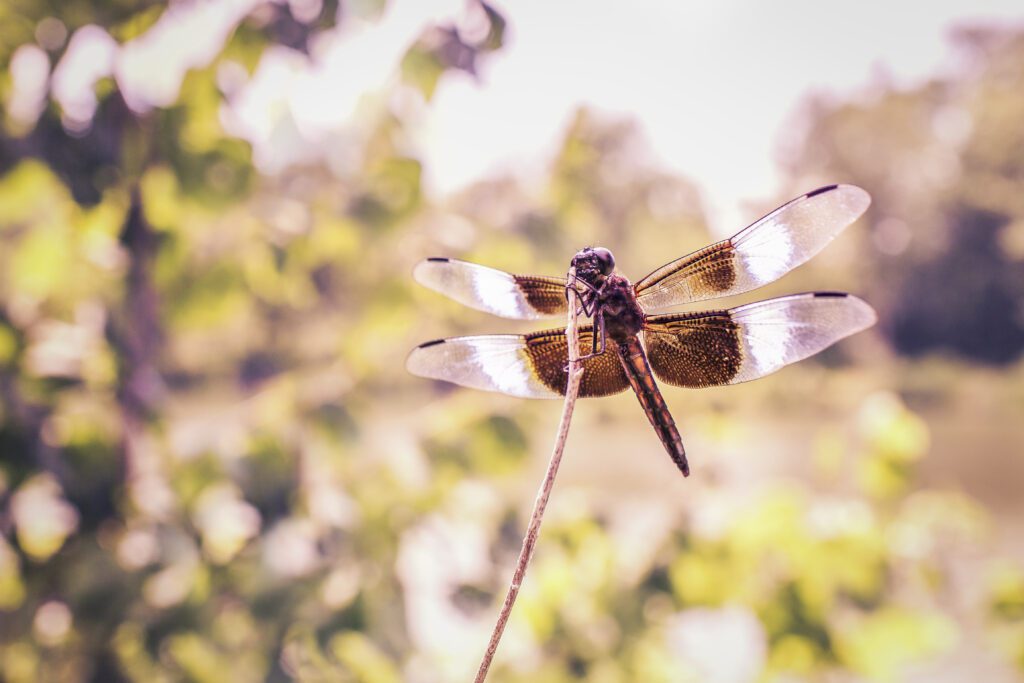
x,y
697,349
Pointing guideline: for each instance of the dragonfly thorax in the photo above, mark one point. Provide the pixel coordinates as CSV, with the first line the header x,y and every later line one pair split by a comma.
x,y
617,304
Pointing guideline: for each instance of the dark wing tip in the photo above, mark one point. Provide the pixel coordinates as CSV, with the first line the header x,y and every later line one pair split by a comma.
x,y
434,342
439,259
820,190
865,313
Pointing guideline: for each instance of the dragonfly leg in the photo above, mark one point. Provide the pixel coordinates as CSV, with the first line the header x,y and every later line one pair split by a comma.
x,y
580,296
587,298
586,307
598,347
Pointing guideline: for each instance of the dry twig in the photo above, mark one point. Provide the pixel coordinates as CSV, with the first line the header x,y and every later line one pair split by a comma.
x,y
575,370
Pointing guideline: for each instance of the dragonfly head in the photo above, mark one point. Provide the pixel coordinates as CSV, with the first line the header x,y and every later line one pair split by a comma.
x,y
593,265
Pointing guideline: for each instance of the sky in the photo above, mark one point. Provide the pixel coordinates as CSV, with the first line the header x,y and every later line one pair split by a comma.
x,y
712,85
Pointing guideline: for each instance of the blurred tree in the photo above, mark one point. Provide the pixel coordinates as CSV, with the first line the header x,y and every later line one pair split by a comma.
x,y
149,274
214,467
944,164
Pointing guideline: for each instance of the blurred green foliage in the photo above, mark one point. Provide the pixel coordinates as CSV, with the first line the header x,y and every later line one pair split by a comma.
x,y
213,466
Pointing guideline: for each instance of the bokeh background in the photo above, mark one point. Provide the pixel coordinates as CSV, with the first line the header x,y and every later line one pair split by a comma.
x,y
213,466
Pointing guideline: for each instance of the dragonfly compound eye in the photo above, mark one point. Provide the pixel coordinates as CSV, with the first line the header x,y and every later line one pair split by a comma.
x,y
605,259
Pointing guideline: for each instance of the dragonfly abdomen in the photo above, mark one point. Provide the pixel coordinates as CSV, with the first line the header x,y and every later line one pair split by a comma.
x,y
638,370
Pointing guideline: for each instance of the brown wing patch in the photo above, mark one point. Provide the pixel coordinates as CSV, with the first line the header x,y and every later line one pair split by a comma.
x,y
704,274
548,353
694,349
545,294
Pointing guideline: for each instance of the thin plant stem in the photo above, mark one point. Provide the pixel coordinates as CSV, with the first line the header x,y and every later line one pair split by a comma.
x,y
575,372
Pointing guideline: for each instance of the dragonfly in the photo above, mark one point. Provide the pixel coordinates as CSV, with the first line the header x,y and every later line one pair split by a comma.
x,y
630,341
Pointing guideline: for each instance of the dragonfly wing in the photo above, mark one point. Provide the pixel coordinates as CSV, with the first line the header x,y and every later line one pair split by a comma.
x,y
761,253
522,297
528,366
740,344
